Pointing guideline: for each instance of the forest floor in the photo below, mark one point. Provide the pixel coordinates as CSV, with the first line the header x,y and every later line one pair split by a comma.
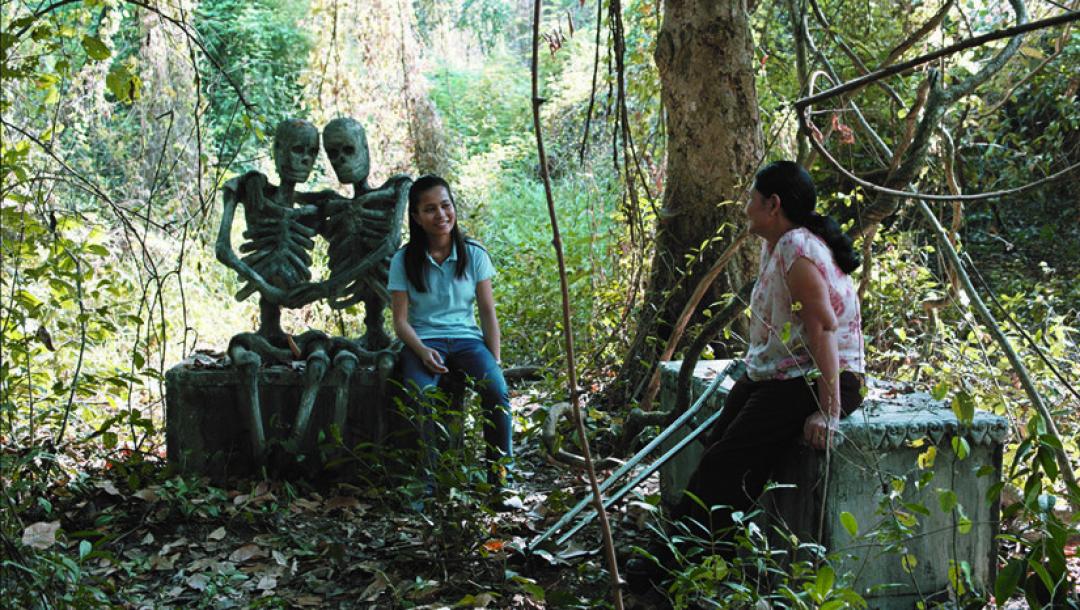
x,y
161,542
146,538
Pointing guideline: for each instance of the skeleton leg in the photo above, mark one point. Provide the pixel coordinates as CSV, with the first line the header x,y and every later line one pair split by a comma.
x,y
344,366
317,364
384,366
248,363
375,337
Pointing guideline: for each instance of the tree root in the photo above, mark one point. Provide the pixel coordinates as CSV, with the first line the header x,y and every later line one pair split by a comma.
x,y
550,436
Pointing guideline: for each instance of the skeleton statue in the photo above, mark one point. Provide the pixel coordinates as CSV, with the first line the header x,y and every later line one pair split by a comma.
x,y
278,246
279,240
364,232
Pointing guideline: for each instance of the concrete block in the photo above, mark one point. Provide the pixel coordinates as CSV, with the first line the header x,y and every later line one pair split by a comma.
x,y
207,429
934,510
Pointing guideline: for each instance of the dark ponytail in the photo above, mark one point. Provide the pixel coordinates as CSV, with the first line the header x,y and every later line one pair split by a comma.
x,y
798,197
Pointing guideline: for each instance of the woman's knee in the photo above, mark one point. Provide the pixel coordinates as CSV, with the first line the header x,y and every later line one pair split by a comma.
x,y
493,390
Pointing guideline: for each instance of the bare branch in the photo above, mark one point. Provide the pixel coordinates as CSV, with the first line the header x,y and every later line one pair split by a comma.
x,y
855,59
881,73
568,331
918,34
930,197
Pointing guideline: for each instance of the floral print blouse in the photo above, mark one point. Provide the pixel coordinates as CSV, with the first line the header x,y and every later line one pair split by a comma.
x,y
778,349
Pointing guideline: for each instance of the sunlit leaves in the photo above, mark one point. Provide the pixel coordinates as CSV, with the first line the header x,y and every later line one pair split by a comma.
x,y
960,447
909,562
95,48
926,458
123,82
849,523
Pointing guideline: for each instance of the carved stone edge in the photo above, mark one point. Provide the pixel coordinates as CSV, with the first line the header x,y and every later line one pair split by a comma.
x,y
984,429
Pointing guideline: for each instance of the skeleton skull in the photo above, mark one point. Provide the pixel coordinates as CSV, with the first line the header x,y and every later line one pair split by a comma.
x,y
296,144
347,149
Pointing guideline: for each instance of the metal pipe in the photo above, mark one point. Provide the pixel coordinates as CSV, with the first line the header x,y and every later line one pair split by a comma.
x,y
732,369
644,474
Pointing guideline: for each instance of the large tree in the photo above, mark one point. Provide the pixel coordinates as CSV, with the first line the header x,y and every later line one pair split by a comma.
x,y
704,54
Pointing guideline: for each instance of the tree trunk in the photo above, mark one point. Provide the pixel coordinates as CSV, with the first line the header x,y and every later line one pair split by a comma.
x,y
705,57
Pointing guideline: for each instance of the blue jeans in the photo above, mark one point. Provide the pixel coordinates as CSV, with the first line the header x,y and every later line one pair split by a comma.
x,y
472,357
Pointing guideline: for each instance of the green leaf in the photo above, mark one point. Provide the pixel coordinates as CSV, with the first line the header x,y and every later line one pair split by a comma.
x,y
909,562
926,458
916,507
529,586
1008,579
940,390
850,523
960,447
1048,461
1051,441
1037,567
95,48
963,522
959,576
825,580
963,406
947,500
84,549
123,83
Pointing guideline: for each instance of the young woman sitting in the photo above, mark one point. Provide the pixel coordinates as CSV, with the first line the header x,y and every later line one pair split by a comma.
x,y
435,280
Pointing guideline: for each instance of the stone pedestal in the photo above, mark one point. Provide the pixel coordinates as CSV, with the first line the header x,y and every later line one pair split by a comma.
x,y
675,473
207,427
919,513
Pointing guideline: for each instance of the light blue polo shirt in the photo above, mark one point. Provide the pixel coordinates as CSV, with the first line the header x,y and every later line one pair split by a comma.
x,y
445,311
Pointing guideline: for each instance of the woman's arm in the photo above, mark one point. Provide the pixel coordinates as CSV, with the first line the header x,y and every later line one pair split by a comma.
x,y
489,322
399,307
807,287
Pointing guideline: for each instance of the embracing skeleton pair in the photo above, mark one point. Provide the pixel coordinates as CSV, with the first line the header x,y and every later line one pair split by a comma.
x,y
361,232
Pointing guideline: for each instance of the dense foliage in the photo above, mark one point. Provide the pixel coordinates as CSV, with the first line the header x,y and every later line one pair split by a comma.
x,y
121,120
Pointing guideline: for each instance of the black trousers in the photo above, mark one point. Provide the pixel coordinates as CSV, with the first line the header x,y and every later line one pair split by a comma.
x,y
760,423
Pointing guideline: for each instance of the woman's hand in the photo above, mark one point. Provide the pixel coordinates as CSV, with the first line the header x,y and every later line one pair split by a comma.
x,y
432,359
819,430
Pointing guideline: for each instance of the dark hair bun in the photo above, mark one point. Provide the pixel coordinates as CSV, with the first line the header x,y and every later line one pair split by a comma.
x,y
798,198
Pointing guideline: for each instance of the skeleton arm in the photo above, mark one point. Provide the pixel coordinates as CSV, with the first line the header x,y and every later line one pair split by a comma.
x,y
363,234
224,251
